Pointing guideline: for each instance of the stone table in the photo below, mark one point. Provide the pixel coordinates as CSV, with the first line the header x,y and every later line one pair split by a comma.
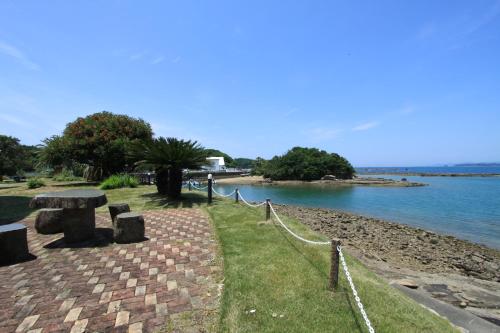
x,y
78,210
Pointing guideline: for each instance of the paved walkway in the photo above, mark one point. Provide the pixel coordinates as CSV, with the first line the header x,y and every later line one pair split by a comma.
x,y
107,287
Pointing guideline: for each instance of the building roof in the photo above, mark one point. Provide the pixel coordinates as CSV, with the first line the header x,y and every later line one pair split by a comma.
x,y
220,160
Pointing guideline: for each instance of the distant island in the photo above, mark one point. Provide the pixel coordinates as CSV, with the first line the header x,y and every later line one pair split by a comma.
x,y
478,164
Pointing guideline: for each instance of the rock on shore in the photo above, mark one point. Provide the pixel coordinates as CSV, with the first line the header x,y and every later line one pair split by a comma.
x,y
402,245
455,271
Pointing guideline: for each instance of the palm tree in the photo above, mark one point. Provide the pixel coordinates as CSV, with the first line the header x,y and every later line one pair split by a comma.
x,y
169,156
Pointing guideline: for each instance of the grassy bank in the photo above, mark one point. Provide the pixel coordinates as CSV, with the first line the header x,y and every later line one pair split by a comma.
x,y
285,282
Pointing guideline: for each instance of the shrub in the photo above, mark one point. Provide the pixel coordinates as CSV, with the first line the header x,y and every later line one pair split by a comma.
x,y
66,175
119,181
35,183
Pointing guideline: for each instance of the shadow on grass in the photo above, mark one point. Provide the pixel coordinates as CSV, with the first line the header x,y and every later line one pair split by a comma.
x,y
76,184
187,200
14,208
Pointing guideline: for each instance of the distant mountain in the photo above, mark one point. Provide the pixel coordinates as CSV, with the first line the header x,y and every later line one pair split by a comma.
x,y
478,164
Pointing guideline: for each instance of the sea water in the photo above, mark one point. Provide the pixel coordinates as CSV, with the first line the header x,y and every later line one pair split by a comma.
x,y
465,207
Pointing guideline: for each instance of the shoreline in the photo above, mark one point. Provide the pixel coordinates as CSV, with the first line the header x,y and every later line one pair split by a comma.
x,y
420,174
455,271
359,181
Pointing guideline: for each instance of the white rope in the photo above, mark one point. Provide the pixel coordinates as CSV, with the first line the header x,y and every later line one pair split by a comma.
x,y
249,204
223,195
354,292
294,234
198,188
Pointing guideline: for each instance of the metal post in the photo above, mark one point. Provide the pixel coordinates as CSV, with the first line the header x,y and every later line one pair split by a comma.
x,y
268,209
236,195
334,268
189,184
209,188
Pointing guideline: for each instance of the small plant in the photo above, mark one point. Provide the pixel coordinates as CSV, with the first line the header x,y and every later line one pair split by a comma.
x,y
119,181
66,175
35,183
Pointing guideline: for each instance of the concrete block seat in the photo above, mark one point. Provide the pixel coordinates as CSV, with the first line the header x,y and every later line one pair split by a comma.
x,y
49,221
13,243
128,228
116,209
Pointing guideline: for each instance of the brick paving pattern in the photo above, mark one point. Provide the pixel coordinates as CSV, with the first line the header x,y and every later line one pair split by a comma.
x,y
112,287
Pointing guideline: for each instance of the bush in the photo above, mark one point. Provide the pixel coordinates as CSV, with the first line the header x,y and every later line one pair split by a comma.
x,y
119,181
307,164
66,175
35,183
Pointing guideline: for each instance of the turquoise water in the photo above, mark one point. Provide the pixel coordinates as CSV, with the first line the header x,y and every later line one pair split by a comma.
x,y
465,207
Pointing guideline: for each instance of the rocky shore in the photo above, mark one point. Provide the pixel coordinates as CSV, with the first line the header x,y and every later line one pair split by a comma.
x,y
453,270
357,181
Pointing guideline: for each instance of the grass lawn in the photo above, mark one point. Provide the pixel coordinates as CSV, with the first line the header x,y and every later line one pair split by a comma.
x,y
286,282
266,270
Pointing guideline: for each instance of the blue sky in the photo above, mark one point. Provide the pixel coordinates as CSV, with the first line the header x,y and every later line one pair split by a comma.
x,y
384,83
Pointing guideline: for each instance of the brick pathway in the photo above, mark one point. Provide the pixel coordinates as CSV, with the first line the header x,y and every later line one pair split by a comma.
x,y
112,287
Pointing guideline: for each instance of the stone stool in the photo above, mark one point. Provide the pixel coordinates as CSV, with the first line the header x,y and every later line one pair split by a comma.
x,y
13,243
128,228
49,221
116,209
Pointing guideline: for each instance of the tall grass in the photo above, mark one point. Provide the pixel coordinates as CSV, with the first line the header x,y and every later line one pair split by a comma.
x,y
119,181
35,183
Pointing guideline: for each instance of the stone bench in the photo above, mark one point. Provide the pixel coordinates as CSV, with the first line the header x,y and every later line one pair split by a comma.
x,y
128,228
116,209
13,243
49,221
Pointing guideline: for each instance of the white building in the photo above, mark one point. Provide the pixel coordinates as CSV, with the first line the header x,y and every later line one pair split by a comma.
x,y
216,164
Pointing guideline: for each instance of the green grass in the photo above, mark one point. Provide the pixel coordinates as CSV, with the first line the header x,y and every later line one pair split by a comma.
x,y
267,270
119,181
14,199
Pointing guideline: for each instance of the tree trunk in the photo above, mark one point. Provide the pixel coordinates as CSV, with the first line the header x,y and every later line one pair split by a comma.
x,y
175,183
162,180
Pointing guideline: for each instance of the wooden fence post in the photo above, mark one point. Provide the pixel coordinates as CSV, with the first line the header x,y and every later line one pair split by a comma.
x,y
268,209
209,188
334,268
236,195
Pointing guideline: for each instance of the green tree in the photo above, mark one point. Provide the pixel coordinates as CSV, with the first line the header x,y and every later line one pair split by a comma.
x,y
15,157
99,141
243,163
169,156
55,154
259,166
307,164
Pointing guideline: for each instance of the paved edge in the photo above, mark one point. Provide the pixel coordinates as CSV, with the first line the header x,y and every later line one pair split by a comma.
x,y
458,317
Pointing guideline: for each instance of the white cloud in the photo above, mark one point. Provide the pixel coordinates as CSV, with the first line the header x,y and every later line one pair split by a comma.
x,y
176,59
137,56
15,53
366,126
157,60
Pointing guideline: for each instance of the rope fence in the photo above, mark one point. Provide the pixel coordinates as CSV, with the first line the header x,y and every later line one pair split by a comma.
x,y
335,244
